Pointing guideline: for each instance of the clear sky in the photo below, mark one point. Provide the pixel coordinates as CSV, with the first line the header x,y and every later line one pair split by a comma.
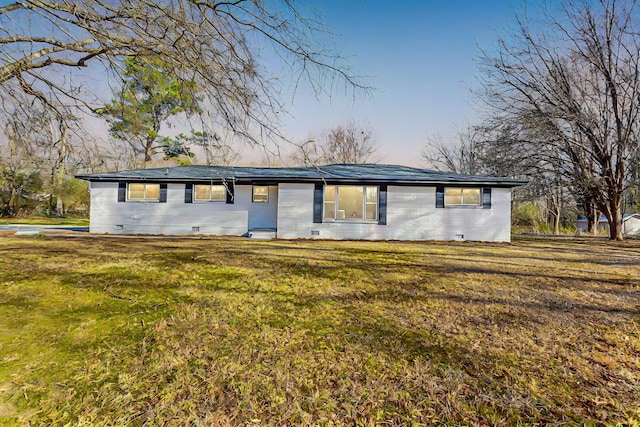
x,y
421,57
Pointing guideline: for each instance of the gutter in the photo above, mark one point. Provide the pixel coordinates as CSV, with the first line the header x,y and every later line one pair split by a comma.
x,y
308,180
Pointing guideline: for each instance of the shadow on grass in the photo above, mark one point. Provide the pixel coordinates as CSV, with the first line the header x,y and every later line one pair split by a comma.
x,y
361,299
423,276
593,256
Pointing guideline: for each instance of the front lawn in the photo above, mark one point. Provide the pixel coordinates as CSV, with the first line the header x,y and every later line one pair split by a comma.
x,y
46,221
128,331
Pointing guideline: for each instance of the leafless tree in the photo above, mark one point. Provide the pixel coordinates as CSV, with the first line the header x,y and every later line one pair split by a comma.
x,y
19,178
52,49
349,144
463,155
575,81
505,150
39,142
307,153
512,148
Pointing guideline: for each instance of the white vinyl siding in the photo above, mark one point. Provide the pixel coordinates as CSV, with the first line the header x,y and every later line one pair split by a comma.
x,y
263,215
411,215
177,217
172,217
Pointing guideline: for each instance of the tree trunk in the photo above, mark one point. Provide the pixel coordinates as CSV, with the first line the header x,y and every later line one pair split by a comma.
x,y
615,225
147,153
52,183
59,207
556,222
556,213
613,211
592,214
13,202
553,210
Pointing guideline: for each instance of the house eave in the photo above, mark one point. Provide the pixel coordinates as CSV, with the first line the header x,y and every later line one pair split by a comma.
x,y
329,174
331,181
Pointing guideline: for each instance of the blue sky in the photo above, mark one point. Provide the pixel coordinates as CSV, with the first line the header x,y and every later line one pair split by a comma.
x,y
421,57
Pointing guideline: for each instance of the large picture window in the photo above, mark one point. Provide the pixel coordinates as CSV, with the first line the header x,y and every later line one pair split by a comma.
x,y
140,192
210,193
351,202
454,196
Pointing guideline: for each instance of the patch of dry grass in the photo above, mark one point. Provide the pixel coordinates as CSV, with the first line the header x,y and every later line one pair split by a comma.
x,y
106,331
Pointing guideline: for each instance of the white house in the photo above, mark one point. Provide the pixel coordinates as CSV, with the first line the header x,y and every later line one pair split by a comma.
x,y
370,201
582,225
631,225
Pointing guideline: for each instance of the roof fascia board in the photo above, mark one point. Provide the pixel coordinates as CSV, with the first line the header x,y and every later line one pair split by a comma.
x,y
329,181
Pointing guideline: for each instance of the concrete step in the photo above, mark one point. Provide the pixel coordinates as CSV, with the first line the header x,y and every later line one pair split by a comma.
x,y
263,233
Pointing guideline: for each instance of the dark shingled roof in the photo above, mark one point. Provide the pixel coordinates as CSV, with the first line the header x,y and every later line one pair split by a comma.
x,y
337,173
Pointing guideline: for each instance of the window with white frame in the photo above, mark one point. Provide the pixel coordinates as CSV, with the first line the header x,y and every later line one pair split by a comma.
x,y
351,202
459,196
143,192
209,193
260,194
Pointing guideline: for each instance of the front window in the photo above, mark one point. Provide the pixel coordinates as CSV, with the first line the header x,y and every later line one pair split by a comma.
x,y
351,202
462,196
143,192
260,194
207,193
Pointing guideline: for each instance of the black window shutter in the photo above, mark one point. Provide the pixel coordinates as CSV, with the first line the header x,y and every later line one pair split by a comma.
x,y
230,195
163,193
440,196
188,193
122,192
486,198
382,205
317,203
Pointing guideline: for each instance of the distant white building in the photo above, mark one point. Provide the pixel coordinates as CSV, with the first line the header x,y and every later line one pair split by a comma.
x,y
583,227
630,224
371,202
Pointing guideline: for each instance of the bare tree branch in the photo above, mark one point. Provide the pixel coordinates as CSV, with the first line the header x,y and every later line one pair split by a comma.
x,y
217,43
574,90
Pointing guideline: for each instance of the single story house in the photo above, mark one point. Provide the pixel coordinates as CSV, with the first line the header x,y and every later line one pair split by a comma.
x,y
339,201
630,224
582,225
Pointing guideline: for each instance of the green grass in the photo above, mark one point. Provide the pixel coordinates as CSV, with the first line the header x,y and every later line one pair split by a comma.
x,y
108,331
46,221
